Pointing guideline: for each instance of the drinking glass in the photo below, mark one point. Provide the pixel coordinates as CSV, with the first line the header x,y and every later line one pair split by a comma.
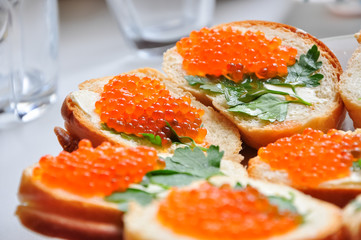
x,y
152,26
28,58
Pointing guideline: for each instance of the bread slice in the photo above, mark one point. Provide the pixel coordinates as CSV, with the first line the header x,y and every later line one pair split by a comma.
x,y
82,122
322,220
339,191
58,213
352,219
350,84
326,111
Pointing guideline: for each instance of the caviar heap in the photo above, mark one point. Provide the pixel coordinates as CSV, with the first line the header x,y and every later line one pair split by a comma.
x,y
229,52
211,212
313,157
96,171
138,105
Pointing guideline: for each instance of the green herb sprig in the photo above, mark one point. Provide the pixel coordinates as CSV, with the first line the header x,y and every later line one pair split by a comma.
x,y
184,167
356,165
156,139
251,95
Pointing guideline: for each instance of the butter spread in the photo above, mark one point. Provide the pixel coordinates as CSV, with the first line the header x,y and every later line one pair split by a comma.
x,y
85,100
307,94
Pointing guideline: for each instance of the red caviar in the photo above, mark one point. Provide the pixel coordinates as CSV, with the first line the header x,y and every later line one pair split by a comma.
x,y
135,105
211,212
313,157
231,53
98,171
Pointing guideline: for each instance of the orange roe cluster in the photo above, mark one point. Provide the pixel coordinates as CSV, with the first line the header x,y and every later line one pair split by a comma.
x,y
313,157
98,171
135,105
231,53
212,213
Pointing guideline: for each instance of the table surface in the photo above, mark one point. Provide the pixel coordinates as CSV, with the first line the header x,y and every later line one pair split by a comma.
x,y
91,46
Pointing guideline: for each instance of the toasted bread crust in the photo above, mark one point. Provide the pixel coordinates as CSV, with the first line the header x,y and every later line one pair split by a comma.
x,y
77,128
339,195
260,134
54,212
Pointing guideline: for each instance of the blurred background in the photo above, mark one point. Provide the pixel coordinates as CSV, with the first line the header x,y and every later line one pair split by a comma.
x,y
92,46
88,29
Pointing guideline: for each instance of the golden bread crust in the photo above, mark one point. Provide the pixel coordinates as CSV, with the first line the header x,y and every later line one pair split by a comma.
x,y
340,195
54,212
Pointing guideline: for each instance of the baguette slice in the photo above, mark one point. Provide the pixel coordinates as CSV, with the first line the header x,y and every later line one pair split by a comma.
x,y
326,111
352,219
339,192
322,220
58,213
350,84
82,122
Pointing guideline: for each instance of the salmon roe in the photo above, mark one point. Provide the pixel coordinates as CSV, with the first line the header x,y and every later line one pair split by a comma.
x,y
231,53
211,212
313,157
135,105
98,171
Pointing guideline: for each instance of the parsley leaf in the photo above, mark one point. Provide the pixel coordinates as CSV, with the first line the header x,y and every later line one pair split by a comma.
x,y
356,165
184,167
204,83
283,203
195,162
131,194
357,205
195,80
267,107
156,140
166,178
302,73
105,127
238,186
175,138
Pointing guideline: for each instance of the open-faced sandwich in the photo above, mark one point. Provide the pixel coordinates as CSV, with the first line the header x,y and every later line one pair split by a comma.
x,y
326,166
222,208
84,194
269,79
350,85
352,219
143,107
